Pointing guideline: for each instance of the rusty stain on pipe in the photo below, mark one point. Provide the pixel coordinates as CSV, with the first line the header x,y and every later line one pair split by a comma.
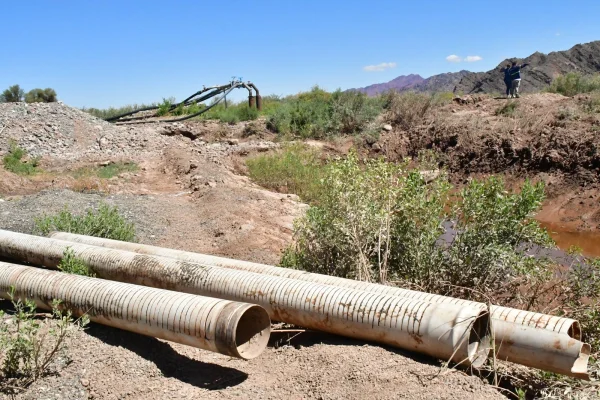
x,y
533,347
501,317
445,331
551,323
231,328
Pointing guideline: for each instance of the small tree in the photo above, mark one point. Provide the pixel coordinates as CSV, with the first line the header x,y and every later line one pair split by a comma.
x,y
13,94
47,95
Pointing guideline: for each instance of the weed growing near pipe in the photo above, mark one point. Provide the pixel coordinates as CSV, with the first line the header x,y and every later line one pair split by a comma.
x,y
74,265
31,347
105,222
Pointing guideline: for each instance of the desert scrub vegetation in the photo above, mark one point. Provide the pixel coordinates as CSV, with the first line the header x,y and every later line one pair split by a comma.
x,y
15,161
15,94
400,224
30,345
105,222
317,113
507,110
575,83
71,264
105,171
295,169
407,109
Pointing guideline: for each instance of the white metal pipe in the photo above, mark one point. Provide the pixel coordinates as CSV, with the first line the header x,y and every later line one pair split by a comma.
x,y
445,331
534,347
551,323
231,328
564,330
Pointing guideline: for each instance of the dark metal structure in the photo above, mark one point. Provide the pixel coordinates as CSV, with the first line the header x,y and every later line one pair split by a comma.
x,y
254,100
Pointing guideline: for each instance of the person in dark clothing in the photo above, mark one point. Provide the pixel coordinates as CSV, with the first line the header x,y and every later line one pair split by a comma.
x,y
515,76
507,79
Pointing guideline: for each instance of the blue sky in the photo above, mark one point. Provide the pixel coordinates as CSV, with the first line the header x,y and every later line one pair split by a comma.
x,y
111,53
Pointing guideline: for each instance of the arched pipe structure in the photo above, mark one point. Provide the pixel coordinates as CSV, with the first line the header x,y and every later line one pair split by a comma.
x,y
227,327
444,331
508,324
212,92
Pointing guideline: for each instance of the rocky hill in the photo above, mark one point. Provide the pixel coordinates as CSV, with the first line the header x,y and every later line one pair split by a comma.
x,y
403,82
543,68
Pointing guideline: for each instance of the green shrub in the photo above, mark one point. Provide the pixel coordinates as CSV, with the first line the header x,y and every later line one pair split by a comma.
x,y
28,345
73,265
41,96
508,109
406,109
317,113
574,83
352,111
106,222
296,169
164,108
382,222
13,94
13,161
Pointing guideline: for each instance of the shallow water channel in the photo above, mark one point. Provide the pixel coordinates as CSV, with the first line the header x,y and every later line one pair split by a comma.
x,y
589,242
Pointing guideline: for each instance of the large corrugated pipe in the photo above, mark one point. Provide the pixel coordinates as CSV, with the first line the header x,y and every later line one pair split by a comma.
x,y
502,318
551,323
445,331
227,327
540,348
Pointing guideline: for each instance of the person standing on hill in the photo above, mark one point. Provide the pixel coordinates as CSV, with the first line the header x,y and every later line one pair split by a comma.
x,y
507,80
515,76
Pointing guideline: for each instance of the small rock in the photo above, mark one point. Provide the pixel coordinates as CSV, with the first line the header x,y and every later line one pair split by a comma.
x,y
376,147
233,142
105,163
84,382
387,127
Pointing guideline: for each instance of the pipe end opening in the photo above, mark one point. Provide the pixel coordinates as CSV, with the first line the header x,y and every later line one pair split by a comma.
x,y
252,332
480,340
575,331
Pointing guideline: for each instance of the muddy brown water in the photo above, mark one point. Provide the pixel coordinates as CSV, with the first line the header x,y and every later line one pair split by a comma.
x,y
589,242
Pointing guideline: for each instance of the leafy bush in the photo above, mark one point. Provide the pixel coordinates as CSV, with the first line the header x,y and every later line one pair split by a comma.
x,y
13,161
29,346
73,265
47,95
383,222
13,94
106,222
317,113
406,109
574,83
164,108
508,109
296,169
352,111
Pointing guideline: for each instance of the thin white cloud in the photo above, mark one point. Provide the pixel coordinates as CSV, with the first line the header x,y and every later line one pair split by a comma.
x,y
557,34
453,58
380,67
473,58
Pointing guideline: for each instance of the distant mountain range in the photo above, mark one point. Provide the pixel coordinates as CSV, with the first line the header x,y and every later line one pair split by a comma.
x,y
542,69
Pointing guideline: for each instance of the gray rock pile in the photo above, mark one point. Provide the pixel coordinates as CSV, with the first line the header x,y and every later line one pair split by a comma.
x,y
59,131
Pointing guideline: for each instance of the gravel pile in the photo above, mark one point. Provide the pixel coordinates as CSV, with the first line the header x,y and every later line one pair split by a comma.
x,y
60,131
